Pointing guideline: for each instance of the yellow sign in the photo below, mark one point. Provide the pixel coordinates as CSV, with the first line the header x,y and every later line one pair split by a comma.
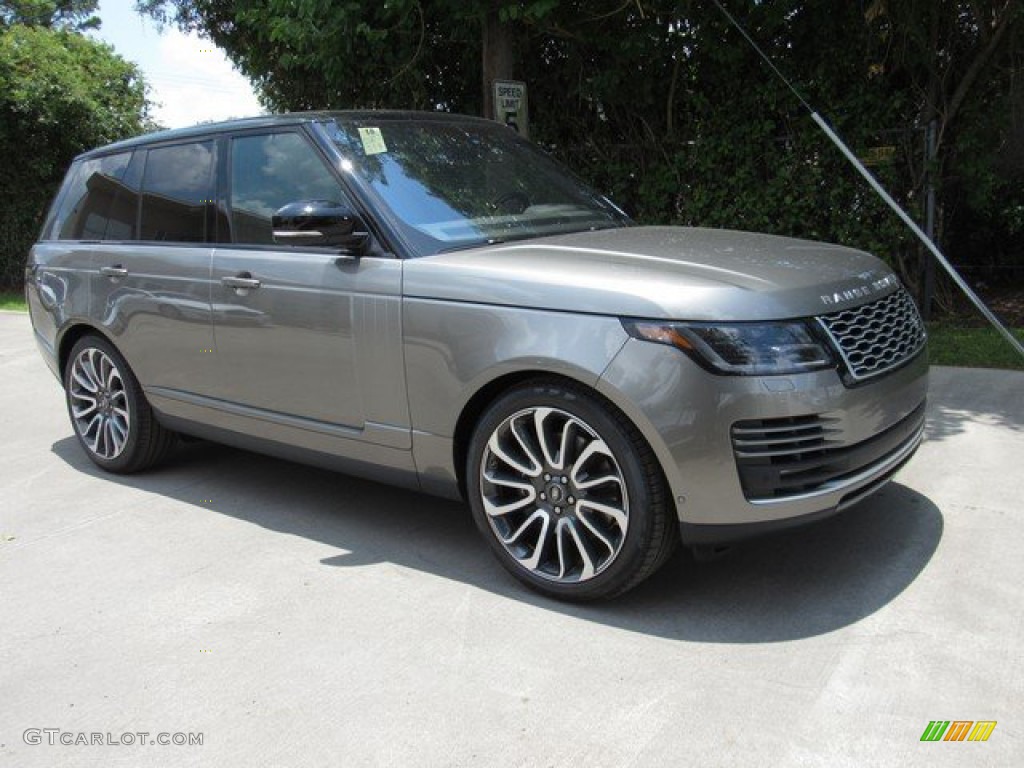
x,y
878,156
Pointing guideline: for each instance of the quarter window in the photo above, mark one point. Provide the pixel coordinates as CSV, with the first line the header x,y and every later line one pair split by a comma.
x,y
100,202
268,172
178,192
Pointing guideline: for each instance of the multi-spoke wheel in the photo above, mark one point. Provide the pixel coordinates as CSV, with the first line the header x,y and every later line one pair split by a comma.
x,y
109,413
99,403
567,492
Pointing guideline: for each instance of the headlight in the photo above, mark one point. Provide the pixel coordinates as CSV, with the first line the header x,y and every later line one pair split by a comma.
x,y
741,348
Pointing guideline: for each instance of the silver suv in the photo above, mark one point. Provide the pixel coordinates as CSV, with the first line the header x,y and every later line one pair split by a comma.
x,y
430,301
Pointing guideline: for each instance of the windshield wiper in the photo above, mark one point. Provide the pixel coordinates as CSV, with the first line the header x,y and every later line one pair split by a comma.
x,y
533,236
474,244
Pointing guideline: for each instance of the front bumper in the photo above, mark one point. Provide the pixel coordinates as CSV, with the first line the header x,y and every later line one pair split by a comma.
x,y
705,428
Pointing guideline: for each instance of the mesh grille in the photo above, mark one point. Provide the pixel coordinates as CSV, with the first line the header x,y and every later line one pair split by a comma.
x,y
876,337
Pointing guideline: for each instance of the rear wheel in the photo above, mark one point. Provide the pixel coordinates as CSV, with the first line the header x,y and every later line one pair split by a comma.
x,y
109,413
568,493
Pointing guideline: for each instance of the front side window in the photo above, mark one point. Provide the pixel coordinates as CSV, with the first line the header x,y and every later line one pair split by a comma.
x,y
100,203
177,192
461,183
269,171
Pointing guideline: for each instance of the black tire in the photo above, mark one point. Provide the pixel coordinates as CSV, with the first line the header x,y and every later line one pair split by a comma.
x,y
116,427
603,476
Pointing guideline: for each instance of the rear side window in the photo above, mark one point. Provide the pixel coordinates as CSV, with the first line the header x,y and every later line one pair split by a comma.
x,y
177,191
99,202
123,215
268,172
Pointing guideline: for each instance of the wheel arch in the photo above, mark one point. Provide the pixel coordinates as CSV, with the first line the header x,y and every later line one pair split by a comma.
x,y
490,392
479,402
70,336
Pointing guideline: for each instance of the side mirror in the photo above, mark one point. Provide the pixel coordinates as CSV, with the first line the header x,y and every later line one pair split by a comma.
x,y
323,223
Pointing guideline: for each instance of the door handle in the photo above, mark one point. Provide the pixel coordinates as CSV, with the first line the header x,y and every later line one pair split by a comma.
x,y
242,280
115,271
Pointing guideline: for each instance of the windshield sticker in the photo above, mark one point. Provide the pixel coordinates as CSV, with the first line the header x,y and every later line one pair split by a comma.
x,y
373,142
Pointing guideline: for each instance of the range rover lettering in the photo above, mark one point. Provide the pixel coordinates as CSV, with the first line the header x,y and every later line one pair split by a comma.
x,y
429,300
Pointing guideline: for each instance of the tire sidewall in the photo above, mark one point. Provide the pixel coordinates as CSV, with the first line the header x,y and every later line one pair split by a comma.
x,y
630,558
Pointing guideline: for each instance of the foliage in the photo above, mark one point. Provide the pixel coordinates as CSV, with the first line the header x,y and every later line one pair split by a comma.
x,y
69,14
664,106
61,93
305,54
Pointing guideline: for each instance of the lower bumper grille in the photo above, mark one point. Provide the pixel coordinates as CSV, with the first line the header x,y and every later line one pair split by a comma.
x,y
778,458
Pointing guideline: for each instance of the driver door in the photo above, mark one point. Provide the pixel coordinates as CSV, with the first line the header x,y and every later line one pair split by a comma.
x,y
308,341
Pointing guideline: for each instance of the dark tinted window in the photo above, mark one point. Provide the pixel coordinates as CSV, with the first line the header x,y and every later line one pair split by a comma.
x,y
123,216
98,203
268,172
177,191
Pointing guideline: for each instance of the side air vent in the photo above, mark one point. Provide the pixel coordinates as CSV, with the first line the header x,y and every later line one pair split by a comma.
x,y
777,458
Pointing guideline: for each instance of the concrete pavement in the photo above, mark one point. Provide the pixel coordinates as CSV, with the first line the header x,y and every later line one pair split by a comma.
x,y
295,617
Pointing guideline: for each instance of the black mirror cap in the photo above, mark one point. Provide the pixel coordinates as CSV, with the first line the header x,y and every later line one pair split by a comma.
x,y
323,223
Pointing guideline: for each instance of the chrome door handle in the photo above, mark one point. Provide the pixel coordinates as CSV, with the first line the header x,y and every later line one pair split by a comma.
x,y
115,271
241,281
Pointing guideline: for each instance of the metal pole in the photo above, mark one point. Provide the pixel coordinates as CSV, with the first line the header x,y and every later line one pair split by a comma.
x,y
929,223
1013,340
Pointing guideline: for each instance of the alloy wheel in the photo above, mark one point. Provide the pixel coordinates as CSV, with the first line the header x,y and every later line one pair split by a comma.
x,y
554,494
99,403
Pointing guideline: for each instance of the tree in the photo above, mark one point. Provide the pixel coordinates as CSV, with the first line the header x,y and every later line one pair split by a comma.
x,y
962,60
306,54
61,93
74,15
665,106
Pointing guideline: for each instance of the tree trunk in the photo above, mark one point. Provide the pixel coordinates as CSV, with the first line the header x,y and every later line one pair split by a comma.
x,y
498,58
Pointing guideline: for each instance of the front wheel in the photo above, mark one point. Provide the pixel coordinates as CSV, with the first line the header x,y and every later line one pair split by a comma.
x,y
109,413
568,493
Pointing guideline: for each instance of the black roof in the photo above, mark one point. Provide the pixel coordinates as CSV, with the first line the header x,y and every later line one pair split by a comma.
x,y
265,121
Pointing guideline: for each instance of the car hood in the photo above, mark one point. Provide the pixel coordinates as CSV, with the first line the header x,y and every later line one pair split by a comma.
x,y
674,273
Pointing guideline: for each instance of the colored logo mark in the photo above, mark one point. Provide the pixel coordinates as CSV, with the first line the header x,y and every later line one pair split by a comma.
x,y
958,730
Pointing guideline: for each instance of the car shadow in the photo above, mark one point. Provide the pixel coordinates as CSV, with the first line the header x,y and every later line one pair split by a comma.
x,y
794,584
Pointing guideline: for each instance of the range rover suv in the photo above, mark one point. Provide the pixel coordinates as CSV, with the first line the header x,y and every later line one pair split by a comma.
x,y
429,300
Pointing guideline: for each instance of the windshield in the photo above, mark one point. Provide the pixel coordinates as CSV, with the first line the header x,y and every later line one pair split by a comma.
x,y
451,183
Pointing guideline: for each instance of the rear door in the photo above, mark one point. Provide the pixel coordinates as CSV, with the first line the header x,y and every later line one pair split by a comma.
x,y
146,217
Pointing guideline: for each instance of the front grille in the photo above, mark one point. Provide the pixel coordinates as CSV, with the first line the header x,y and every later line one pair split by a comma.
x,y
778,458
876,337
